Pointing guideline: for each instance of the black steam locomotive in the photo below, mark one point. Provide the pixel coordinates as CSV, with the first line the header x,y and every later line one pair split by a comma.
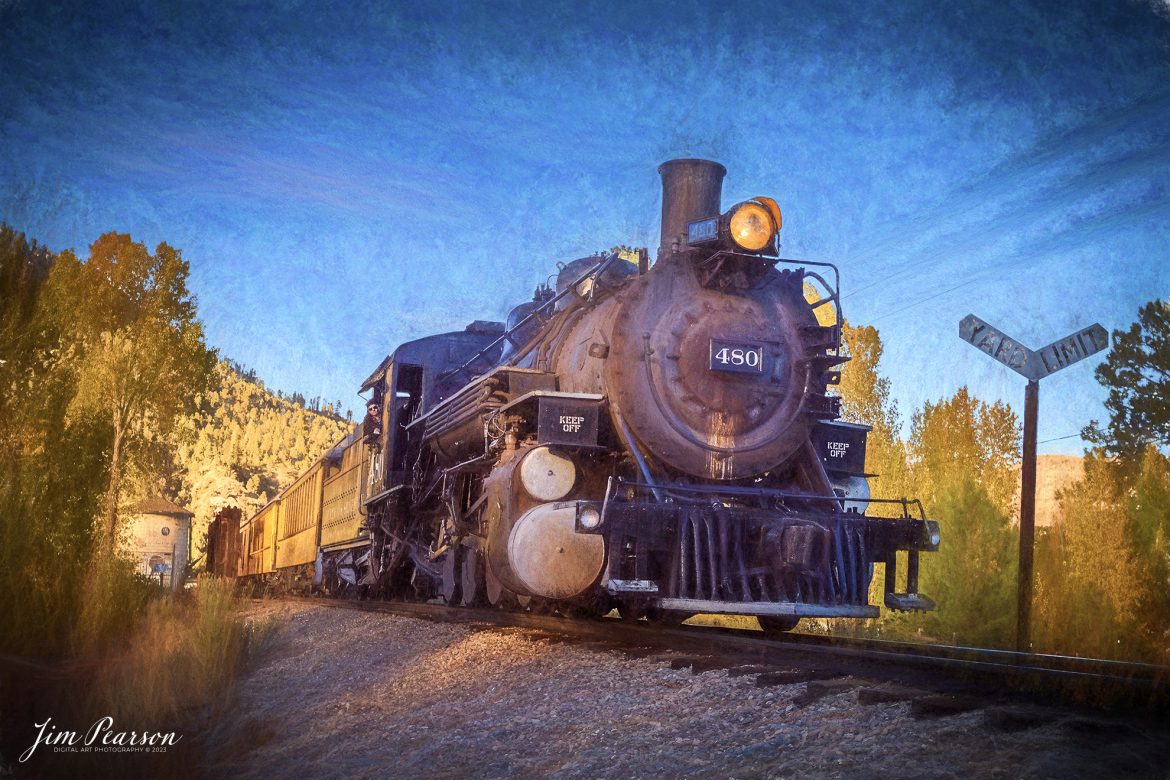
x,y
657,438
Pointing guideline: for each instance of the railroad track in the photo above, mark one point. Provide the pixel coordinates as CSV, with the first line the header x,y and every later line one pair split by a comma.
x,y
936,679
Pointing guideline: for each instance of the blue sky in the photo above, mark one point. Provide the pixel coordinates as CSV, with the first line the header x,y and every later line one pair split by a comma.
x,y
342,180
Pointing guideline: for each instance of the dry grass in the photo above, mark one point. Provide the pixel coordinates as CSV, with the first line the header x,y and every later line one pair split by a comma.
x,y
182,656
744,622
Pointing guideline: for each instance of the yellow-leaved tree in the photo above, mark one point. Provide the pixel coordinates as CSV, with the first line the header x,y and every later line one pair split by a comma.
x,y
142,359
866,399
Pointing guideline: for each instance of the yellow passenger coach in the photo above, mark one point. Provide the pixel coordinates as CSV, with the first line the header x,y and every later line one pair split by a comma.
x,y
320,513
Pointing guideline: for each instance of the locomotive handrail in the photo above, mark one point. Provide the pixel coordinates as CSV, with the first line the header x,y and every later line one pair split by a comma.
x,y
739,490
834,290
597,269
635,450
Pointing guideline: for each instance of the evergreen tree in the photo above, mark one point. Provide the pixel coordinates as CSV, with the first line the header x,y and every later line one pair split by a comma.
x,y
244,444
964,458
1136,373
972,577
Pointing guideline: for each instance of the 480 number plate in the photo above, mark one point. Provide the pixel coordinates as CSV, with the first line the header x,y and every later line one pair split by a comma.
x,y
737,356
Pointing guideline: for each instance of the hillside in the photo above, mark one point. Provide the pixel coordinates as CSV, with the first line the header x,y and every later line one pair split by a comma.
x,y
245,445
1053,473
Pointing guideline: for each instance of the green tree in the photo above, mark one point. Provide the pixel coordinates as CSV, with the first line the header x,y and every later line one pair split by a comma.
x,y
964,458
52,470
1105,587
972,577
1147,526
26,342
1087,592
1136,373
142,352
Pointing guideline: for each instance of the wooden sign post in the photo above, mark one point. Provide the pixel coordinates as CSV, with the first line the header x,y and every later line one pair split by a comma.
x,y
1033,365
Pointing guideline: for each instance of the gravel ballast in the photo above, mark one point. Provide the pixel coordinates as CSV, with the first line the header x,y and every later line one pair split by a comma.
x,y
342,693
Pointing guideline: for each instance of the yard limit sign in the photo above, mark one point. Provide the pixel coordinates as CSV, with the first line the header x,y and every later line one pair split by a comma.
x,y
1033,365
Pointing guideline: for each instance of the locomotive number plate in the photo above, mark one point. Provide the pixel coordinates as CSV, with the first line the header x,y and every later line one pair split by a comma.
x,y
737,356
703,230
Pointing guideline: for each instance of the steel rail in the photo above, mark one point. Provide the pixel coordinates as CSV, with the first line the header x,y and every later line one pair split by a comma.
x,y
1100,683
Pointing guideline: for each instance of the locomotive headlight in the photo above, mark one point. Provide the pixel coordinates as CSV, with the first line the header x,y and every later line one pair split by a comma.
x,y
751,226
927,537
589,517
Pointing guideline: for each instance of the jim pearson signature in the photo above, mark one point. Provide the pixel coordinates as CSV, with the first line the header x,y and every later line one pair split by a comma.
x,y
100,737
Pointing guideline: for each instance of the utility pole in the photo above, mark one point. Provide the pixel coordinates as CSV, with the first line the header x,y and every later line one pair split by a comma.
x,y
1033,365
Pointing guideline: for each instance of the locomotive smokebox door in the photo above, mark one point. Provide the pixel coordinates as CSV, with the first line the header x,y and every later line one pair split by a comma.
x,y
567,421
841,446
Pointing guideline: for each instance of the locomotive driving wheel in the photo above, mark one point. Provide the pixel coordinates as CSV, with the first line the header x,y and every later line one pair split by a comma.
x,y
472,578
451,584
777,624
497,594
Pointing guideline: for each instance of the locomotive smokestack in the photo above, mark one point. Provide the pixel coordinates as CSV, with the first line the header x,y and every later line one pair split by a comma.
x,y
690,190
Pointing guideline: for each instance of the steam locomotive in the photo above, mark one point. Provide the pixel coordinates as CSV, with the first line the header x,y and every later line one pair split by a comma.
x,y
659,438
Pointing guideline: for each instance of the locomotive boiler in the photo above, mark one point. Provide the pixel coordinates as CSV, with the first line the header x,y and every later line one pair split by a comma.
x,y
657,437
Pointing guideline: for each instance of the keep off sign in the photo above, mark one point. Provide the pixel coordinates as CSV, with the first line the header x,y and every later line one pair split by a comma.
x,y
567,422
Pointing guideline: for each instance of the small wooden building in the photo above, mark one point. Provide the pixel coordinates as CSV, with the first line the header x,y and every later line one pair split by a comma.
x,y
158,539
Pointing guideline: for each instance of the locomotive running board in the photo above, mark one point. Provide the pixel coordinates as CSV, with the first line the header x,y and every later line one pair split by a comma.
x,y
347,544
769,608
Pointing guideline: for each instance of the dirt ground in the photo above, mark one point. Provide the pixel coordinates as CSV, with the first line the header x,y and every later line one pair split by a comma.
x,y
340,693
